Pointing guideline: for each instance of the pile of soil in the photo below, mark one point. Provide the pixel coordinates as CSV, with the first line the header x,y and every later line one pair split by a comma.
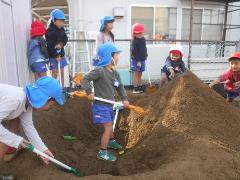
x,y
190,132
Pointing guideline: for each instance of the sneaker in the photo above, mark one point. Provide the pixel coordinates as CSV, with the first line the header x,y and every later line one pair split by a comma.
x,y
106,156
6,177
113,144
136,90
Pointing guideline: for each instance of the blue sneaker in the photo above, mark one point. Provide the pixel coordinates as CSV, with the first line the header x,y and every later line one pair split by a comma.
x,y
106,156
113,144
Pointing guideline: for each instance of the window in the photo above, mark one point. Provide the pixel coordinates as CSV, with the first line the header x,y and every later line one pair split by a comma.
x,y
213,24
207,24
165,21
197,24
144,15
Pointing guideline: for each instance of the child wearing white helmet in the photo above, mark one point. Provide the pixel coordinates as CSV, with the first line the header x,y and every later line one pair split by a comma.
x,y
106,81
16,106
174,65
105,35
56,38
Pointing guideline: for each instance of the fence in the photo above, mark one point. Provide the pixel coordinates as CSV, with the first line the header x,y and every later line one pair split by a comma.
x,y
207,60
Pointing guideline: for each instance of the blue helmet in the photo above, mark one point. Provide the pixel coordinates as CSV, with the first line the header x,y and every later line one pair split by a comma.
x,y
42,90
104,20
105,53
58,14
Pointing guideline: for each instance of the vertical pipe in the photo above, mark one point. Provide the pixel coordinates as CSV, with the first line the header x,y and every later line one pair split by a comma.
x,y
224,29
190,36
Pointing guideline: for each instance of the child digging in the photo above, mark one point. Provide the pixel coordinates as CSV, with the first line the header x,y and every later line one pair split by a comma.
x,y
174,65
56,40
106,81
231,78
138,55
16,105
37,50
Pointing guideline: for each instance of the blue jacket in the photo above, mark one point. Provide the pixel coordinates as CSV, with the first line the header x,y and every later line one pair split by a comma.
x,y
178,66
37,50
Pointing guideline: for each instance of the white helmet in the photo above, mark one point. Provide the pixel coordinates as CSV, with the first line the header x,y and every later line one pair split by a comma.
x,y
176,47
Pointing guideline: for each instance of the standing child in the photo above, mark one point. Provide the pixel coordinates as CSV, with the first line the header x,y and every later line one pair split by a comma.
x,y
138,55
105,35
174,65
37,50
106,81
16,105
56,40
231,78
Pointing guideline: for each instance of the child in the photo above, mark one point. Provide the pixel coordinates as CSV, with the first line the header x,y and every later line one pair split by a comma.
x,y
16,106
105,35
105,81
56,40
138,55
173,66
231,78
37,50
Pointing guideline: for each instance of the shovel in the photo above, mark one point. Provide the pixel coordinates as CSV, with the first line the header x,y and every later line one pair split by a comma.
x,y
77,78
31,148
132,107
150,88
59,74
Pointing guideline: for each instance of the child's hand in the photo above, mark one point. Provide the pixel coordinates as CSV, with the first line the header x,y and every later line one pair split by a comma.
x,y
173,74
58,46
237,84
125,104
58,58
139,64
23,144
46,161
91,97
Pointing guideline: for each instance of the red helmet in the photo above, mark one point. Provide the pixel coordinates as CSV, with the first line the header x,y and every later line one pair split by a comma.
x,y
137,28
234,56
37,29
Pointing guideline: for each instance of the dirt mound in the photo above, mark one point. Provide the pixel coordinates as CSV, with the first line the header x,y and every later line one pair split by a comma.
x,y
190,132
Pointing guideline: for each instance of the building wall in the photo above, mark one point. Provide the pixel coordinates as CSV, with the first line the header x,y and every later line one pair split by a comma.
x,y
85,15
15,18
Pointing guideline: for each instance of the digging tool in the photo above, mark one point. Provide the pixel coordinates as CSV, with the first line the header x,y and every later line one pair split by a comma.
x,y
59,74
31,148
70,138
132,107
78,78
150,88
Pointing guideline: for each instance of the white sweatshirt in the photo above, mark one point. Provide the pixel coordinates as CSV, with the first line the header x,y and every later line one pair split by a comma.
x,y
13,105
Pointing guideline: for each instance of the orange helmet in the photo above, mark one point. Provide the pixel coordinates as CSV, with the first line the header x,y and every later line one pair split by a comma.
x,y
137,28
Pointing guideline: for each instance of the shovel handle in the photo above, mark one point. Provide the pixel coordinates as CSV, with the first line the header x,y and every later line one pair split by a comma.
x,y
38,152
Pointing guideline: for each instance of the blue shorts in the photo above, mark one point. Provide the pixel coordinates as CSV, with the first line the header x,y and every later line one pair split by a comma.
x,y
102,114
54,63
232,95
38,67
136,68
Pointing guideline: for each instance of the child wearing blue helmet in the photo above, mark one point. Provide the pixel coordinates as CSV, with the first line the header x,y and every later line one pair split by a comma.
x,y
16,105
106,81
56,40
105,35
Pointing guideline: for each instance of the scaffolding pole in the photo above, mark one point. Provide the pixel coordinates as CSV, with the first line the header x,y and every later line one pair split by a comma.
x,y
190,35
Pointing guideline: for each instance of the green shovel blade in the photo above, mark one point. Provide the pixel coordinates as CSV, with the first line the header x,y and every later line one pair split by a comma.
x,y
74,171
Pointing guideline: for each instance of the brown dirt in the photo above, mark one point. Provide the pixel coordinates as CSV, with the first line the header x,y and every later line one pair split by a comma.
x,y
190,132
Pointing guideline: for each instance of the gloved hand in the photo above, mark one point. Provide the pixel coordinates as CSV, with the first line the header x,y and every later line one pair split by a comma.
x,y
139,64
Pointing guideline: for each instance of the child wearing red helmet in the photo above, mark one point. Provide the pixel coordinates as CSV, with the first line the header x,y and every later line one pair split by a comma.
x,y
37,50
138,56
231,78
174,65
